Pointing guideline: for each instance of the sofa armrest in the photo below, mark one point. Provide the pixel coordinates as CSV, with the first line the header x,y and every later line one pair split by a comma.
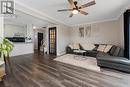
x,y
69,50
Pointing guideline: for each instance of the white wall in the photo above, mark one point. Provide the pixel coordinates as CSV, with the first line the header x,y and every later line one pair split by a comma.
x,y
63,38
121,27
22,48
110,32
10,29
44,31
1,27
30,30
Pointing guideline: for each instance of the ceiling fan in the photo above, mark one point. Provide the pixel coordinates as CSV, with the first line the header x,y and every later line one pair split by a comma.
x,y
75,9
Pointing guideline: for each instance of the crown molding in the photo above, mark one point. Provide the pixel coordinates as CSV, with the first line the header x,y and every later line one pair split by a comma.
x,y
34,12
16,24
123,10
99,21
106,20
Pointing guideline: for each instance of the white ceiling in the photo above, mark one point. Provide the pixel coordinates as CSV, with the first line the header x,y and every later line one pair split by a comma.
x,y
23,19
103,10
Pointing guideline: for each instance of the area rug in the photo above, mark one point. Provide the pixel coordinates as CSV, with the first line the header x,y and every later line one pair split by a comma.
x,y
80,61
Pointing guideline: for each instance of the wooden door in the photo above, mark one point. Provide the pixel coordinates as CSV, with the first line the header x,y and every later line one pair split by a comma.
x,y
52,40
40,38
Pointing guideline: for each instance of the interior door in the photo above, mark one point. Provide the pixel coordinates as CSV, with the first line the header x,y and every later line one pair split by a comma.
x,y
52,40
40,38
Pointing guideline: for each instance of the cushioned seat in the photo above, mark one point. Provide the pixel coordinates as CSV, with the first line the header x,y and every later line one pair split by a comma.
x,y
119,63
91,53
114,58
120,60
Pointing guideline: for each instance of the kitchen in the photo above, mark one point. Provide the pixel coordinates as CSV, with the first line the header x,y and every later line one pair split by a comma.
x,y
22,29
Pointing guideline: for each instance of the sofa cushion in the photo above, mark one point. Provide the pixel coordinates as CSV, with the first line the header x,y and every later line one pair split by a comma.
x,y
116,52
91,53
112,50
121,53
101,48
76,46
107,49
88,46
96,47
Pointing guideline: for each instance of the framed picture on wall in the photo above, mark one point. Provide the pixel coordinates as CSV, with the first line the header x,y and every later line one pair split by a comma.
x,y
95,30
81,31
88,31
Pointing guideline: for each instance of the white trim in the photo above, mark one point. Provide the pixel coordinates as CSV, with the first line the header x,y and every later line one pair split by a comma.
x,y
11,23
33,12
61,54
105,20
1,27
123,10
41,15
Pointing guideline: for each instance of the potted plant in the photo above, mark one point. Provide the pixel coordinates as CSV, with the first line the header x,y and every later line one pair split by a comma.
x,y
6,47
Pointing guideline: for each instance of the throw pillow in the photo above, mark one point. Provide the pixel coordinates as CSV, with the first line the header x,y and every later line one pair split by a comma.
x,y
112,50
116,52
107,49
76,46
101,48
121,53
88,46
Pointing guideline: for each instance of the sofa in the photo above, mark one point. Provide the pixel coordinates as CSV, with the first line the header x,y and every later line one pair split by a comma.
x,y
93,52
114,58
118,63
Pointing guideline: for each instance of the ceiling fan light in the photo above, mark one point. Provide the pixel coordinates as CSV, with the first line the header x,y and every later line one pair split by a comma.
x,y
75,11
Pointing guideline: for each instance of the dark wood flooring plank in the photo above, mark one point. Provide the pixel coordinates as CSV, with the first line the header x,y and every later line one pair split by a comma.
x,y
38,70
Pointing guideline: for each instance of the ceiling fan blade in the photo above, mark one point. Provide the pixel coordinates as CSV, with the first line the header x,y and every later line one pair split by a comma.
x,y
75,3
83,12
88,4
71,15
65,10
71,3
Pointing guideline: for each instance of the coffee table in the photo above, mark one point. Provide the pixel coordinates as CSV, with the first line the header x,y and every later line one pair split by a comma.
x,y
76,52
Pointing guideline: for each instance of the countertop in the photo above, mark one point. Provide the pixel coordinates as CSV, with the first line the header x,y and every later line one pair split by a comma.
x,y
22,43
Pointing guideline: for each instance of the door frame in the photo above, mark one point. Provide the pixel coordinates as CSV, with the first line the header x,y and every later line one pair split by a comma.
x,y
55,39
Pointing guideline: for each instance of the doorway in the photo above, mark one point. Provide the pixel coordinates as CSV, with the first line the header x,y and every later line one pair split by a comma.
x,y
52,41
40,39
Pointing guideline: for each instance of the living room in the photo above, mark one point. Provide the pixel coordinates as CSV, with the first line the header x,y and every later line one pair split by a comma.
x,y
67,43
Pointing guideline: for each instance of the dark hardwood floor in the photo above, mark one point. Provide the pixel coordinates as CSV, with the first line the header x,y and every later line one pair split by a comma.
x,y
36,70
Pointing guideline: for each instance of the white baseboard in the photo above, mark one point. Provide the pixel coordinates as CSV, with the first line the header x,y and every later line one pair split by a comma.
x,y
62,53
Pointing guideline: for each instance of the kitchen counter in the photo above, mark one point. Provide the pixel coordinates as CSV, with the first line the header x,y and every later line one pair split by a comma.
x,y
21,48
